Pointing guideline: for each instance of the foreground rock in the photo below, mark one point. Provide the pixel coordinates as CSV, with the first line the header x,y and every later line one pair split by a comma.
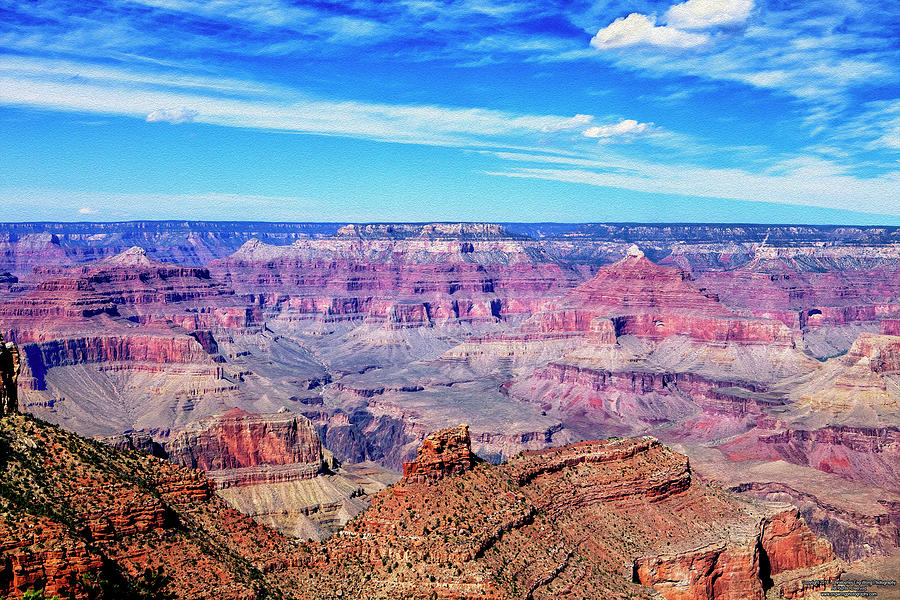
x,y
589,520
447,452
83,520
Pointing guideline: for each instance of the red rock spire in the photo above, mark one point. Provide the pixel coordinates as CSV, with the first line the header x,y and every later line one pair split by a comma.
x,y
446,452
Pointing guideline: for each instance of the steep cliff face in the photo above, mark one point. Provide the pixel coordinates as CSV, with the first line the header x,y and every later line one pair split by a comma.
x,y
239,448
274,468
754,559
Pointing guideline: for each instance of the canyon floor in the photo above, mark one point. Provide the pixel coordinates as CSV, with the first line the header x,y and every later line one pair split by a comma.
x,y
300,366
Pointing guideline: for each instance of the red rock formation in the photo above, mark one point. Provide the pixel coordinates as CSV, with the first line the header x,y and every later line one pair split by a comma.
x,y
654,302
446,452
739,571
561,520
788,543
239,448
867,454
713,572
30,562
74,512
882,352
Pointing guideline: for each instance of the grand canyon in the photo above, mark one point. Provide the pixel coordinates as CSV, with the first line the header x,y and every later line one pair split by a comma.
x,y
448,410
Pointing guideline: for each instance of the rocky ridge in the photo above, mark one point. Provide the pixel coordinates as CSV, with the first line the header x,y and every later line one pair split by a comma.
x,y
582,521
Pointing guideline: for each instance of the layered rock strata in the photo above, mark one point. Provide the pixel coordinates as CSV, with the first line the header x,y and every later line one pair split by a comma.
x,y
239,448
560,521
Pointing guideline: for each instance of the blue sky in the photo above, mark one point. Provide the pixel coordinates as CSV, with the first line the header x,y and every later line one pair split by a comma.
x,y
703,110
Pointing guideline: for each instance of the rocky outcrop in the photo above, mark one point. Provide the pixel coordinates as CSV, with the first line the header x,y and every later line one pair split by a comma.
x,y
29,562
882,352
239,448
136,441
787,544
563,519
446,452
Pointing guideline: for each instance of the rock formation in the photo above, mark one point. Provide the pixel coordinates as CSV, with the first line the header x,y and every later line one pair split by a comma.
x,y
535,334
239,448
447,452
80,519
564,520
273,467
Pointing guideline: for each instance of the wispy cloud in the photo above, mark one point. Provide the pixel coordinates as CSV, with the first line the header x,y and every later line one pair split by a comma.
x,y
805,180
280,109
180,114
625,127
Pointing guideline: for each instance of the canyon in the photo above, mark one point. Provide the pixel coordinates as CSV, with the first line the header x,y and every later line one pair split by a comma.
x,y
302,367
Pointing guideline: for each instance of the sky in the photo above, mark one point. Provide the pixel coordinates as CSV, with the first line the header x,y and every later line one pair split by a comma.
x,y
767,111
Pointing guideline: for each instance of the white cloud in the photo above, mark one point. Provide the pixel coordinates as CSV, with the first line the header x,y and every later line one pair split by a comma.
x,y
637,29
889,140
626,127
704,14
272,108
86,210
806,181
175,116
575,122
